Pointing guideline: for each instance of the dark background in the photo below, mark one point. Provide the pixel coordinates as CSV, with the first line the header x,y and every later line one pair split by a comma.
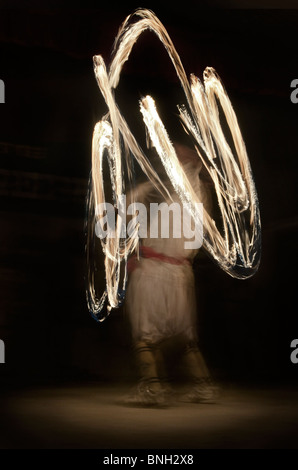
x,y
51,106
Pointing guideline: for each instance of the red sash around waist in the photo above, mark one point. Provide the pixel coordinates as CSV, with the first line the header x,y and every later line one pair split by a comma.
x,y
148,252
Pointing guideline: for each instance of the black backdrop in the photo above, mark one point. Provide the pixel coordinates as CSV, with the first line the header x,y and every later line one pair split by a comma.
x,y
51,105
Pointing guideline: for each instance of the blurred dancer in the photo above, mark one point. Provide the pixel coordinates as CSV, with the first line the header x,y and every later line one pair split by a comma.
x,y
161,301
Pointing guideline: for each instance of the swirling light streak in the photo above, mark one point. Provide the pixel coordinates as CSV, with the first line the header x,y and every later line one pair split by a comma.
x,y
236,246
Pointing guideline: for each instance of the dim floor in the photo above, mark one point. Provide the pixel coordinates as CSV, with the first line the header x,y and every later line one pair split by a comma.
x,y
93,416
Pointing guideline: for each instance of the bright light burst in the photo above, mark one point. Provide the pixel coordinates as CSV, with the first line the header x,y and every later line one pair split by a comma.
x,y
236,245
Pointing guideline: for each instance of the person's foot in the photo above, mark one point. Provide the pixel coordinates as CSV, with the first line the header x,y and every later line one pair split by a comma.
x,y
205,391
145,396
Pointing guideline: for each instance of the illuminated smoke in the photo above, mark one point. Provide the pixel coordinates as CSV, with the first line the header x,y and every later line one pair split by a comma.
x,y
236,245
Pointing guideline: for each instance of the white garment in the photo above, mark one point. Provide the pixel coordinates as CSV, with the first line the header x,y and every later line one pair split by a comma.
x,y
160,297
161,300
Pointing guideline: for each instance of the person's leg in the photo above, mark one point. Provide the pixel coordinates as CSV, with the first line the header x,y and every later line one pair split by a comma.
x,y
203,389
195,363
147,365
162,370
149,391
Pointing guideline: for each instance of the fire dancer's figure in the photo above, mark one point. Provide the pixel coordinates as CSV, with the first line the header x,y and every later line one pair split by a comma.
x,y
161,303
161,295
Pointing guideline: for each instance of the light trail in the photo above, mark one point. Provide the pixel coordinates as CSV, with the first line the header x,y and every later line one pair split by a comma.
x,y
236,246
